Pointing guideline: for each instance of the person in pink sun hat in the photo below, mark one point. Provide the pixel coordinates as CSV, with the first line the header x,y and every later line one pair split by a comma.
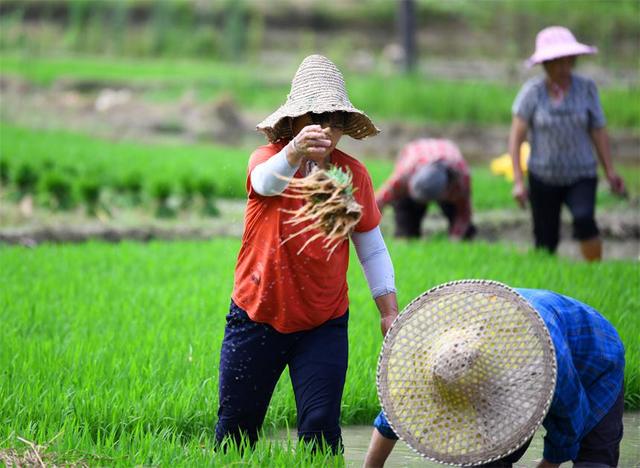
x,y
556,42
561,115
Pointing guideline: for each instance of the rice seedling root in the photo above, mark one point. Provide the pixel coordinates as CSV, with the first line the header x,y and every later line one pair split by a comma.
x,y
330,207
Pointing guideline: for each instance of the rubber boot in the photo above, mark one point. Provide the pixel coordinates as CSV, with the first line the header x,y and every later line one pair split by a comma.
x,y
591,249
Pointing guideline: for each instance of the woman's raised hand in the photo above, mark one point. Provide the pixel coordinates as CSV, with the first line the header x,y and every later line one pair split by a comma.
x,y
312,142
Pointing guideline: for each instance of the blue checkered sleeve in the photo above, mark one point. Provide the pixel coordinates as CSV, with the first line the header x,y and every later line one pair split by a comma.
x,y
590,360
565,423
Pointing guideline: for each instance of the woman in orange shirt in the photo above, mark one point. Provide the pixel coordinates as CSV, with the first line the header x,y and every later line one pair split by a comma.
x,y
291,309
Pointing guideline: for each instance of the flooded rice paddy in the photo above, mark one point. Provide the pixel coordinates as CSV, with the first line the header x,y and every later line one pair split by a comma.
x,y
356,440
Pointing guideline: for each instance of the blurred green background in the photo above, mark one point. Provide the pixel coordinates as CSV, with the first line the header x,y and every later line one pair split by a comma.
x,y
134,120
184,82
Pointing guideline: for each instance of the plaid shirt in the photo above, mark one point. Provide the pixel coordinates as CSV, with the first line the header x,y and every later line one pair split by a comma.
x,y
427,151
590,359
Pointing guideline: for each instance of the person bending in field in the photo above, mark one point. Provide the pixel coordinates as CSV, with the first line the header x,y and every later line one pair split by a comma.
x,y
289,306
429,170
584,419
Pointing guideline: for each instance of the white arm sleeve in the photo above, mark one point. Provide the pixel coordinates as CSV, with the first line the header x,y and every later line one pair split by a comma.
x,y
264,177
375,260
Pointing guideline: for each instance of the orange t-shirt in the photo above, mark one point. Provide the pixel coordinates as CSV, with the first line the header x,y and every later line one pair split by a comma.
x,y
274,284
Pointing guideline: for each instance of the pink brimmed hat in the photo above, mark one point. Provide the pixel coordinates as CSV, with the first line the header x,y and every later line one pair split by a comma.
x,y
555,42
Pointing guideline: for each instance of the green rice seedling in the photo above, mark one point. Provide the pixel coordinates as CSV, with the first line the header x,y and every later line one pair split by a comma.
x,y
90,192
59,189
127,164
131,186
188,191
123,164
4,173
207,190
161,191
117,345
68,169
26,179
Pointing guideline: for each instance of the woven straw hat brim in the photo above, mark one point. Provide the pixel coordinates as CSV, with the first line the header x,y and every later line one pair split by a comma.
x,y
500,399
276,126
318,86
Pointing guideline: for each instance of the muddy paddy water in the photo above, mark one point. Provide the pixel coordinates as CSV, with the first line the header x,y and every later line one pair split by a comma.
x,y
356,440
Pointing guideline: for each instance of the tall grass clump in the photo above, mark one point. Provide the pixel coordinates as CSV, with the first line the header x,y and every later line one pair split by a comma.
x,y
115,348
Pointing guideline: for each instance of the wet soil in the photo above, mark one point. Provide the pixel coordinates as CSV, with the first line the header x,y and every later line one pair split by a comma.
x,y
356,440
620,229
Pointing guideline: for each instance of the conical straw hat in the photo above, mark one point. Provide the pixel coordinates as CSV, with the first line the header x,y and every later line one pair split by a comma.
x,y
467,372
318,86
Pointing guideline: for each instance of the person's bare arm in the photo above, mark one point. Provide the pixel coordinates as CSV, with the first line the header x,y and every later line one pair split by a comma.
x,y
388,307
547,464
517,136
600,139
379,450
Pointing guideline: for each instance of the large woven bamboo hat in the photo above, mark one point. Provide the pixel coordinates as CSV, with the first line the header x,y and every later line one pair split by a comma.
x,y
467,372
318,86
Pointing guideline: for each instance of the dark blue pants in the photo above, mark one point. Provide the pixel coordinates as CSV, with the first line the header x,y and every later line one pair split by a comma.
x,y
546,203
600,447
408,215
252,359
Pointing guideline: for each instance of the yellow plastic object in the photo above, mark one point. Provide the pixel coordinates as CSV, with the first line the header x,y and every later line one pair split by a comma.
x,y
502,164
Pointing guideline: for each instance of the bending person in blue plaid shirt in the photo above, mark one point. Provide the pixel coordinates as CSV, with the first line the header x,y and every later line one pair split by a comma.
x,y
584,421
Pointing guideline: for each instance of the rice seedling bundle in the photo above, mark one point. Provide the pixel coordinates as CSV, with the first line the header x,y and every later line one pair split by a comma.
x,y
329,207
